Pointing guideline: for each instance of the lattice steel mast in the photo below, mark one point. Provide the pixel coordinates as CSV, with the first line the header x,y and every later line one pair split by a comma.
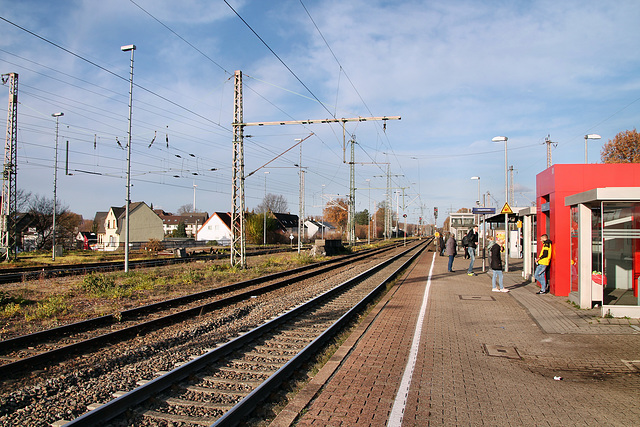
x,y
237,217
237,189
9,172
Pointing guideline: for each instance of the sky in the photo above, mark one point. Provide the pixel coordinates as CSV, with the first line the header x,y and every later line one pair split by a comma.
x,y
457,72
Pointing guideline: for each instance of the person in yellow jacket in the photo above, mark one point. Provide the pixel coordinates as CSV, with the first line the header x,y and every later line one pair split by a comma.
x,y
543,261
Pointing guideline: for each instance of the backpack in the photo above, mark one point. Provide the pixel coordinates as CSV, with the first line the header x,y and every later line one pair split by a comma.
x,y
465,240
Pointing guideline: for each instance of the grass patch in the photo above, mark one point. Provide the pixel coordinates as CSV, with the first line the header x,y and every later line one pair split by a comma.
x,y
51,307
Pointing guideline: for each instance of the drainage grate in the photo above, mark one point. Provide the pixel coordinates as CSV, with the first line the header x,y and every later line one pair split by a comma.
x,y
476,297
502,351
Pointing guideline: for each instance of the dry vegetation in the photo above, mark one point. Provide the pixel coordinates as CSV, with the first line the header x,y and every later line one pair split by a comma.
x,y
41,304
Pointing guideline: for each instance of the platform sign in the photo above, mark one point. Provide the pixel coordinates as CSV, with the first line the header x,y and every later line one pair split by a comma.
x,y
506,209
483,211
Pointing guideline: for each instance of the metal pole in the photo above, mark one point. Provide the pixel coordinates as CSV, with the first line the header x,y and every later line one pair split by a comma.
x,y
369,217
131,48
55,187
585,149
264,228
322,232
506,215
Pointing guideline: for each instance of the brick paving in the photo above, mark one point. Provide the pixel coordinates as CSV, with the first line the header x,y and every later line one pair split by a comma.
x,y
456,381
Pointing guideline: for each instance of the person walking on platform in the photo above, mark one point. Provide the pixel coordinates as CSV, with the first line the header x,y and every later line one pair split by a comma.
x,y
543,261
471,250
496,265
452,250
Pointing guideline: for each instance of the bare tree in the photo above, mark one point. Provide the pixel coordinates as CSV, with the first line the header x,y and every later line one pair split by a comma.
x,y
185,209
41,212
274,203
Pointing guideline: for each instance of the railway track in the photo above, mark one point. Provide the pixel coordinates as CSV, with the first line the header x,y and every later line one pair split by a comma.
x,y
223,385
42,349
21,274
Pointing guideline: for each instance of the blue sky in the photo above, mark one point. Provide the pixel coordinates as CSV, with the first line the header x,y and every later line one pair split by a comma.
x,y
458,72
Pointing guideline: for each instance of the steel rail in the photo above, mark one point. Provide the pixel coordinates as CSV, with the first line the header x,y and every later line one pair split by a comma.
x,y
50,356
120,405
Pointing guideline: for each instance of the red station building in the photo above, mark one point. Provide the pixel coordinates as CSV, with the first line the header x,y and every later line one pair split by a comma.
x,y
591,213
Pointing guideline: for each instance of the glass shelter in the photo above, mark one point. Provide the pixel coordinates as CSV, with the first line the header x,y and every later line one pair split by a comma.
x,y
605,250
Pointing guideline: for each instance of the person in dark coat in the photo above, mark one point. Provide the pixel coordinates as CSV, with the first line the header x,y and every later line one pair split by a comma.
x,y
471,249
441,245
496,266
452,249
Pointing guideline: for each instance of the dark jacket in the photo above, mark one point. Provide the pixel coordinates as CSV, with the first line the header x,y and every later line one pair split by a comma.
x,y
473,239
495,258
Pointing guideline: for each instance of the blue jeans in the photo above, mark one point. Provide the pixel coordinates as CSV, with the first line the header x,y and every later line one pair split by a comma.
x,y
451,262
472,254
541,276
499,275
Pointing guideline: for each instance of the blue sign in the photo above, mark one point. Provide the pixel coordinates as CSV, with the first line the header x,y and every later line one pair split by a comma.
x,y
484,211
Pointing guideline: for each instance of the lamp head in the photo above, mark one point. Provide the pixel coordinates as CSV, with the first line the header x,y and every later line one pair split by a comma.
x,y
499,139
128,47
592,136
57,115
475,177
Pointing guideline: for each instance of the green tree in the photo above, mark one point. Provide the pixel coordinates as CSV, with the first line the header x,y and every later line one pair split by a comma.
x,y
254,228
181,231
623,148
362,217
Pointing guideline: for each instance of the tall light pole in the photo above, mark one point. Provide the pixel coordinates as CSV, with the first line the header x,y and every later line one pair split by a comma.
x,y
322,229
481,243
55,186
586,137
369,215
506,198
301,206
194,196
264,227
132,49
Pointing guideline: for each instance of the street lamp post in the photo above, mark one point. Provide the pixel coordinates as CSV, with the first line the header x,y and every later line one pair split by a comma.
x,y
322,229
481,242
128,48
55,186
368,216
506,198
264,228
586,137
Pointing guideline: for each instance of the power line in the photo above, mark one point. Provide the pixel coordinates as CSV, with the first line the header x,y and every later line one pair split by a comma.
x,y
279,59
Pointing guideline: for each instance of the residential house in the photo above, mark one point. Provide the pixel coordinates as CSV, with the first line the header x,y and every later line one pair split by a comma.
x,y
144,225
101,221
287,223
217,227
193,221
316,229
86,240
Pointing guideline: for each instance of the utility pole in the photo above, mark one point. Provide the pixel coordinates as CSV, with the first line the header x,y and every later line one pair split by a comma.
x,y
237,218
301,207
237,187
9,173
549,142
351,213
511,190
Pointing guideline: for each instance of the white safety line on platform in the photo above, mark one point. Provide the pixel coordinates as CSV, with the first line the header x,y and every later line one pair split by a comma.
x,y
397,412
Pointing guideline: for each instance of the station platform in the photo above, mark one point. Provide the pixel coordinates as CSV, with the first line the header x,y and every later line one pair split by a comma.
x,y
443,349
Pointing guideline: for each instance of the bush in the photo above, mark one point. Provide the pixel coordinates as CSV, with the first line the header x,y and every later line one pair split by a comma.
x,y
98,284
51,307
155,245
10,310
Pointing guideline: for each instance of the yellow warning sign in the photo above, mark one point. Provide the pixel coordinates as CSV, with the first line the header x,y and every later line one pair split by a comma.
x,y
506,209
